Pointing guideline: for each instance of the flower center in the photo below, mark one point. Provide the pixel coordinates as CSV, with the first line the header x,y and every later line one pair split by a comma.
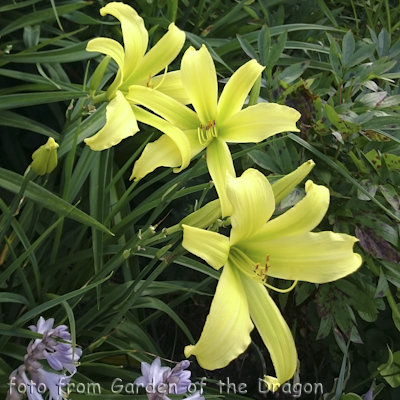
x,y
207,132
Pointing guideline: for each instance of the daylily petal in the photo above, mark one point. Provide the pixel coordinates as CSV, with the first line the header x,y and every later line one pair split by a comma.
x,y
174,133
258,122
160,153
253,203
200,81
133,31
171,110
171,86
121,123
164,153
236,90
159,56
113,49
107,46
312,257
301,218
285,185
219,162
273,330
212,247
226,333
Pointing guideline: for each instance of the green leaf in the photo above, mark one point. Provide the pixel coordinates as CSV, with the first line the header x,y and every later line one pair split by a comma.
x,y
15,6
391,370
13,298
361,54
264,44
341,171
276,50
233,45
12,182
356,297
9,118
325,9
348,47
290,74
334,57
75,52
31,99
41,16
383,43
247,48
350,396
344,127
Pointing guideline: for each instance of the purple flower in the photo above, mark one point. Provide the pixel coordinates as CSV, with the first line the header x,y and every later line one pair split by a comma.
x,y
59,355
160,381
152,379
178,379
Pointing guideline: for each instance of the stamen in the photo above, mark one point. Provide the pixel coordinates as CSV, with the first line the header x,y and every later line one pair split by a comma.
x,y
148,83
163,78
208,132
262,274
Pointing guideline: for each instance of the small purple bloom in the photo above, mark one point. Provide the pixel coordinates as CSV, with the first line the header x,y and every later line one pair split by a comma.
x,y
160,381
178,379
59,355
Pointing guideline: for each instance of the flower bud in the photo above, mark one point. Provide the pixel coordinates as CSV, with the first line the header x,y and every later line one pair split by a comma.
x,y
45,158
202,218
284,186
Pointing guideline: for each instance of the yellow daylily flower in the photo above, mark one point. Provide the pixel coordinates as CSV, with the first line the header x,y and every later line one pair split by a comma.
x,y
135,69
257,248
215,123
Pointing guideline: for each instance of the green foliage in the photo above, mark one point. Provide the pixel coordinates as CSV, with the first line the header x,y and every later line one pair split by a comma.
x,y
87,246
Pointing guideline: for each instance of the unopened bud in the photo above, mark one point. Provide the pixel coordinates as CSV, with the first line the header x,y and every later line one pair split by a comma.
x,y
202,218
286,184
45,158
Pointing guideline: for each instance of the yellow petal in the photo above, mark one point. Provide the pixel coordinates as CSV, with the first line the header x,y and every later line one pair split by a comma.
x,y
258,122
199,78
253,203
110,47
133,31
161,153
113,49
174,133
237,89
171,85
301,218
121,123
171,110
312,257
212,247
273,330
159,56
219,162
286,184
226,333
164,153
